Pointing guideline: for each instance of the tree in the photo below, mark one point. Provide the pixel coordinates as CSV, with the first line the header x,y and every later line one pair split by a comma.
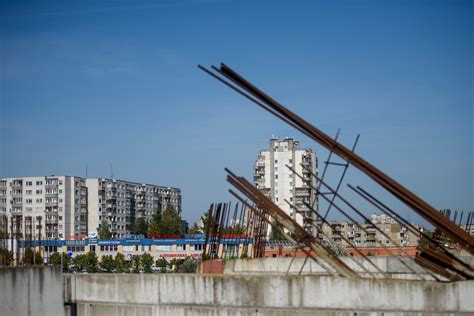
x,y
136,264
147,262
28,257
155,223
170,221
91,262
80,262
120,264
55,259
86,262
140,227
5,257
275,234
187,265
66,262
162,263
104,232
38,258
107,264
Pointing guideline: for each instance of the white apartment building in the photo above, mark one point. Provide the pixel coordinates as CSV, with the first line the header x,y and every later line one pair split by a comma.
x,y
277,181
118,203
51,207
66,207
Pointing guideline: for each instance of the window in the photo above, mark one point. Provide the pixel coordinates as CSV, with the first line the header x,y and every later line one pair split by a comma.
x,y
276,176
28,192
290,161
164,248
29,183
276,161
127,248
39,182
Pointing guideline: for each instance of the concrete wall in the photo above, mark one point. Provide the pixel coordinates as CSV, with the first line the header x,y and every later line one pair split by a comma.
x,y
194,294
395,267
31,291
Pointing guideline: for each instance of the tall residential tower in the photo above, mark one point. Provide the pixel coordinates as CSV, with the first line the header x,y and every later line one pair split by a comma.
x,y
277,181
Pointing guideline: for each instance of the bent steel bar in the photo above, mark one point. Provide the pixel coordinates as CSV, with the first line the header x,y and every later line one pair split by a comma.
x,y
288,223
414,202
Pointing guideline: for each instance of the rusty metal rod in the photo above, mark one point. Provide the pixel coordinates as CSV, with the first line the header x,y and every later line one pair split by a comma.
x,y
293,227
403,194
365,219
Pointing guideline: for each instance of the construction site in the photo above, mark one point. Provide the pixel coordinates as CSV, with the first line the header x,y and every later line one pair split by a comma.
x,y
235,277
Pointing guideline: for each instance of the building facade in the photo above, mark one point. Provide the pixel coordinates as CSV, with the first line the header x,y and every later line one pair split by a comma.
x,y
118,203
282,186
50,207
68,207
366,235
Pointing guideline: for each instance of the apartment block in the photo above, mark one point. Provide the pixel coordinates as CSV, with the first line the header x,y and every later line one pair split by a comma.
x,y
366,235
50,207
68,207
118,203
280,184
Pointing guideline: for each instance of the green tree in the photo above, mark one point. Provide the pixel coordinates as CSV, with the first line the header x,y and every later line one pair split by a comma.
x,y
104,232
91,262
162,263
120,264
155,223
187,265
107,264
136,264
140,227
28,257
66,262
6,257
147,262
55,259
80,262
38,258
275,234
170,221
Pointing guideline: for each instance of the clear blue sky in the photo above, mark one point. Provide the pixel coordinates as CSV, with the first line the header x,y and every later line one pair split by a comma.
x,y
101,82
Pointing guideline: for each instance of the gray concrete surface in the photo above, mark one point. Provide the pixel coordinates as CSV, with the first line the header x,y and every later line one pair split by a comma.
x,y
31,291
194,294
283,265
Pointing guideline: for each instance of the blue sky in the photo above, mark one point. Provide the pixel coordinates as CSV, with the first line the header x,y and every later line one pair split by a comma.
x,y
116,82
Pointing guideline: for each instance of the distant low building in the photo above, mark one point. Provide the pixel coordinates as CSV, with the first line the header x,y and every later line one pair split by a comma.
x,y
366,235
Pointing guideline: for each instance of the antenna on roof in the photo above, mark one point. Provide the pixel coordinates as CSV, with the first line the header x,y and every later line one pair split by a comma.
x,y
111,171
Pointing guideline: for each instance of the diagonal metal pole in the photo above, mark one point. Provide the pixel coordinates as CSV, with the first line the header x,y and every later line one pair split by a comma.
x,y
367,220
417,204
344,238
455,261
346,166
